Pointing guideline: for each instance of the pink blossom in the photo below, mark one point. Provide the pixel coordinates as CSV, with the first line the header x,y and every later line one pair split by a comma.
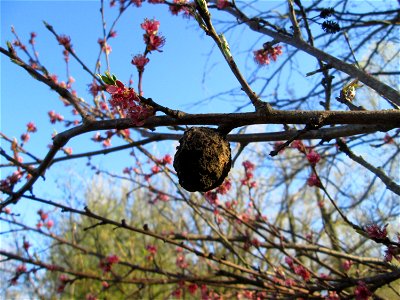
x,y
49,224
177,293
154,42
20,269
103,105
126,170
128,101
298,145
313,157
155,169
32,39
106,263
347,265
43,215
289,282
31,127
263,56
313,181
192,288
303,272
25,137
152,249
167,159
248,165
181,262
105,284
179,7
362,292
289,261
107,143
155,1
68,150
54,117
221,4
375,232
212,198
26,245
94,88
64,40
140,61
150,26
63,278
392,251
138,3
163,197
112,259
224,187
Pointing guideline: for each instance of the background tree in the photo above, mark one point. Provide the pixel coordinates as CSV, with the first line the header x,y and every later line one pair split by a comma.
x,y
311,214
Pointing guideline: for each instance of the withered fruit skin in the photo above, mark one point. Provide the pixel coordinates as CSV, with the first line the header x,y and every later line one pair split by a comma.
x,y
202,160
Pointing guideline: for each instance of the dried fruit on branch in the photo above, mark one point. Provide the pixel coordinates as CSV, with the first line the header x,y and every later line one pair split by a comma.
x,y
203,159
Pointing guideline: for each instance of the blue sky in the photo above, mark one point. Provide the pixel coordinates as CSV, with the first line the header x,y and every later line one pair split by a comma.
x,y
189,69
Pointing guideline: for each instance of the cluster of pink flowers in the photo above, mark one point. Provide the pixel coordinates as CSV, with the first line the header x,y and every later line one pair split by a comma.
x,y
128,102
268,53
151,38
105,47
298,269
152,252
392,252
248,171
30,127
180,6
32,39
65,41
64,279
10,181
67,150
140,61
106,140
26,245
19,270
313,158
106,263
212,196
375,232
221,4
313,180
94,88
192,288
54,117
347,265
43,220
362,292
19,44
181,261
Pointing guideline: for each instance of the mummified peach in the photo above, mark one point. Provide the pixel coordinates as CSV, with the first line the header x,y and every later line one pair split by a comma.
x,y
202,159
